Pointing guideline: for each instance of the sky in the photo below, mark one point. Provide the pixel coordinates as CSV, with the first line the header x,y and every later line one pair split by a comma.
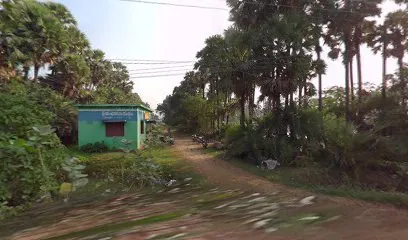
x,y
131,30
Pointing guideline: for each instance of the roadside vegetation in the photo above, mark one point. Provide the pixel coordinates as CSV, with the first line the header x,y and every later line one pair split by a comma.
x,y
47,65
94,176
352,136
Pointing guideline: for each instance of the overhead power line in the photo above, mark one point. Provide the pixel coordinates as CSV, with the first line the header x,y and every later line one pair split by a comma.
x,y
152,63
174,70
147,60
173,74
153,76
352,11
178,5
159,68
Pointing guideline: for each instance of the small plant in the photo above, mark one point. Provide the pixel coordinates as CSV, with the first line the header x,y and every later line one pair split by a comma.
x,y
156,138
75,176
126,145
8,211
74,170
97,147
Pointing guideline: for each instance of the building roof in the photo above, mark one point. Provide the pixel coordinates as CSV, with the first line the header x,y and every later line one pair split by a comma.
x,y
82,106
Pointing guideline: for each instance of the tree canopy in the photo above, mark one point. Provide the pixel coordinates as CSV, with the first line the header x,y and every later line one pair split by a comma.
x,y
275,48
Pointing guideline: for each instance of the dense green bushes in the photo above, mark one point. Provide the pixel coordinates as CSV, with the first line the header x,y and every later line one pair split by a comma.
x,y
371,145
30,151
128,170
30,166
97,147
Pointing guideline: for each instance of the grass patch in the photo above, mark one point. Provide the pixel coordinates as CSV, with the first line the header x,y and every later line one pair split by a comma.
x,y
163,156
300,178
172,163
126,168
215,153
111,228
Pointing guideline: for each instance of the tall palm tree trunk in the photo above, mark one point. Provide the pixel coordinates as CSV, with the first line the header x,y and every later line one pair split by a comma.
x,y
400,64
203,89
305,95
251,100
291,98
351,80
359,73
320,83
402,81
36,70
347,57
242,109
384,70
26,71
300,96
347,92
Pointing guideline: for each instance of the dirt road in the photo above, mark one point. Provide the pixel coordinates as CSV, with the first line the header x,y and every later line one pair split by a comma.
x,y
354,219
240,206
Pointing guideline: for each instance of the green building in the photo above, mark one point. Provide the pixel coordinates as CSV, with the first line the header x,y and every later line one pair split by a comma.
x,y
111,123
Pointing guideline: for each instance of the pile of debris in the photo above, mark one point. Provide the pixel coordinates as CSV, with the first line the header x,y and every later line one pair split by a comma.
x,y
206,143
200,139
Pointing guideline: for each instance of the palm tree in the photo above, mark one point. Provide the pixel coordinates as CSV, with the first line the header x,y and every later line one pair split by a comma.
x,y
376,37
40,33
351,79
345,28
396,24
98,68
358,39
320,69
361,10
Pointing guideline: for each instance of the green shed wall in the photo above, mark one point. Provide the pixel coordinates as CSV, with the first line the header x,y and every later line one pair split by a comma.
x,y
91,132
91,129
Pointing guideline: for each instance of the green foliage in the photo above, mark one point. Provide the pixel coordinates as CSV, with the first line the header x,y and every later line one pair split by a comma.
x,y
108,95
24,104
156,136
237,141
35,34
198,113
97,147
128,170
74,170
18,113
233,133
30,151
29,166
339,141
35,112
